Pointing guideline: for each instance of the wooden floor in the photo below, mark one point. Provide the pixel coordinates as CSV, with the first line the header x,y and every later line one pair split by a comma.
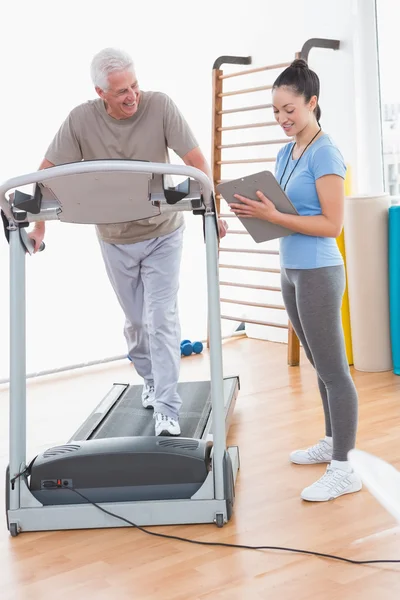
x,y
277,411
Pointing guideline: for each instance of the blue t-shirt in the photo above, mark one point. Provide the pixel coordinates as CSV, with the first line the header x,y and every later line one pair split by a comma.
x,y
300,251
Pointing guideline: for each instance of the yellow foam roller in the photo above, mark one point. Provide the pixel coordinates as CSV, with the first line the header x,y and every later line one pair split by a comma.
x,y
345,301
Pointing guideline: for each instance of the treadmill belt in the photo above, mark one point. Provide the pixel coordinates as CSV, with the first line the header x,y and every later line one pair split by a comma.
x,y
129,418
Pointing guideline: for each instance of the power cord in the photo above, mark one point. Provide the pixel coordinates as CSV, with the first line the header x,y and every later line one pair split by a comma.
x,y
351,561
239,546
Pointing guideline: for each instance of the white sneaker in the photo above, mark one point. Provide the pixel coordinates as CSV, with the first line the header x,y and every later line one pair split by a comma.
x,y
166,425
334,483
148,396
320,453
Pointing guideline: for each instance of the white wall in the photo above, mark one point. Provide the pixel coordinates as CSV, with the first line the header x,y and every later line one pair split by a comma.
x,y
350,113
46,52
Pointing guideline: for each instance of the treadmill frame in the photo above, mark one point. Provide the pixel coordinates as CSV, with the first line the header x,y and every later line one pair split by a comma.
x,y
209,504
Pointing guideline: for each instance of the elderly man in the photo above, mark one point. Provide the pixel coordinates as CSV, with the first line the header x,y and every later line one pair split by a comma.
x,y
142,258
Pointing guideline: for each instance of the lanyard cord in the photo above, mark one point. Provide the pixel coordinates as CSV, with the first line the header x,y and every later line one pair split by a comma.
x,y
290,155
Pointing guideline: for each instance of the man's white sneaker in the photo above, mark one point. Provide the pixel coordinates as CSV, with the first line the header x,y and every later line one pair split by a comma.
x,y
320,453
165,425
148,396
334,483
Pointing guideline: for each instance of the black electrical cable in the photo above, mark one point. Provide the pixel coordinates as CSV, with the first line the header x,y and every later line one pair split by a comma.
x,y
219,544
239,546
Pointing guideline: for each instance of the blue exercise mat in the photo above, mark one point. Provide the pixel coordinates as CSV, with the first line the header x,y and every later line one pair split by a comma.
x,y
394,284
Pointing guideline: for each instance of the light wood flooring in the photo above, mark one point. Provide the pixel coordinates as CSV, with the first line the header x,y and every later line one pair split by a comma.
x,y
278,410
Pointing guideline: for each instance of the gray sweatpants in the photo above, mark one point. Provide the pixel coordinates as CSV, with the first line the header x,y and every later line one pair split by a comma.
x,y
145,278
313,299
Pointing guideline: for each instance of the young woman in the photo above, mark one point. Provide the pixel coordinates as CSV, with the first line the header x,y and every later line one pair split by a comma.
x,y
311,171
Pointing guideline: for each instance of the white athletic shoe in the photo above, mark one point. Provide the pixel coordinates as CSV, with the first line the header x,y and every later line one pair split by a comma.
x,y
166,425
320,453
334,483
148,396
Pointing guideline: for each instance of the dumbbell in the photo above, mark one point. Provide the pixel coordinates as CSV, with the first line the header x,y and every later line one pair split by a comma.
x,y
187,348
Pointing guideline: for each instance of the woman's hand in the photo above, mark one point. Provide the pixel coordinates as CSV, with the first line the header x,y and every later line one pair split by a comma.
x,y
265,209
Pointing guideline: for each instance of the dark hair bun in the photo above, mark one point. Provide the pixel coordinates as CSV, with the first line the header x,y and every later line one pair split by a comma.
x,y
299,63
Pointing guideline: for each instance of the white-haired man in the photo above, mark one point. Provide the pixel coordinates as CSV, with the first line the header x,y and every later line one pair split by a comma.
x,y
142,258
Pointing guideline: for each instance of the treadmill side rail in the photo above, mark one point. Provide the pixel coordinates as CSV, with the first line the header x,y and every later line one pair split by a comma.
x,y
87,516
87,429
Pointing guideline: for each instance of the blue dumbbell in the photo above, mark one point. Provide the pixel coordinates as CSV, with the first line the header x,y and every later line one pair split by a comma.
x,y
186,348
197,347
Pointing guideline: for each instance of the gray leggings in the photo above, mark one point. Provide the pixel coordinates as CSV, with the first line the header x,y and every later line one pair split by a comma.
x,y
313,299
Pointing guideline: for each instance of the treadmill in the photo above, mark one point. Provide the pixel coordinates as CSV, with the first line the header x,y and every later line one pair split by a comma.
x,y
113,471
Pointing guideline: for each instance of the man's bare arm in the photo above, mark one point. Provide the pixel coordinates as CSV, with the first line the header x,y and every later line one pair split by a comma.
x,y
37,234
45,164
195,158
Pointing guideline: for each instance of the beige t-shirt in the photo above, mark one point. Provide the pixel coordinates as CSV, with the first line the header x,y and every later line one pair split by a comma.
x,y
90,133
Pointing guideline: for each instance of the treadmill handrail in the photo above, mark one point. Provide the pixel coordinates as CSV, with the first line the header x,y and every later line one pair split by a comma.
x,y
127,166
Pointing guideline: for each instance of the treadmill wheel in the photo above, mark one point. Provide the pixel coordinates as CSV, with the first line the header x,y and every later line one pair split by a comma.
x,y
12,527
219,519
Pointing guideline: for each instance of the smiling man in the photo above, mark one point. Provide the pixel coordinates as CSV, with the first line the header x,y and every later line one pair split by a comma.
x,y
142,258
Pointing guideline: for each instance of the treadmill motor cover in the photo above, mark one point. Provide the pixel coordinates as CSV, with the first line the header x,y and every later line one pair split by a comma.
x,y
121,469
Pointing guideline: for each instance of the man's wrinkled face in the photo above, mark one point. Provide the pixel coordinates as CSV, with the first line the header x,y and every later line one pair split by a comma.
x,y
122,96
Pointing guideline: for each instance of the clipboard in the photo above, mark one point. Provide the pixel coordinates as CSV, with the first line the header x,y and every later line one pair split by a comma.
x,y
260,231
